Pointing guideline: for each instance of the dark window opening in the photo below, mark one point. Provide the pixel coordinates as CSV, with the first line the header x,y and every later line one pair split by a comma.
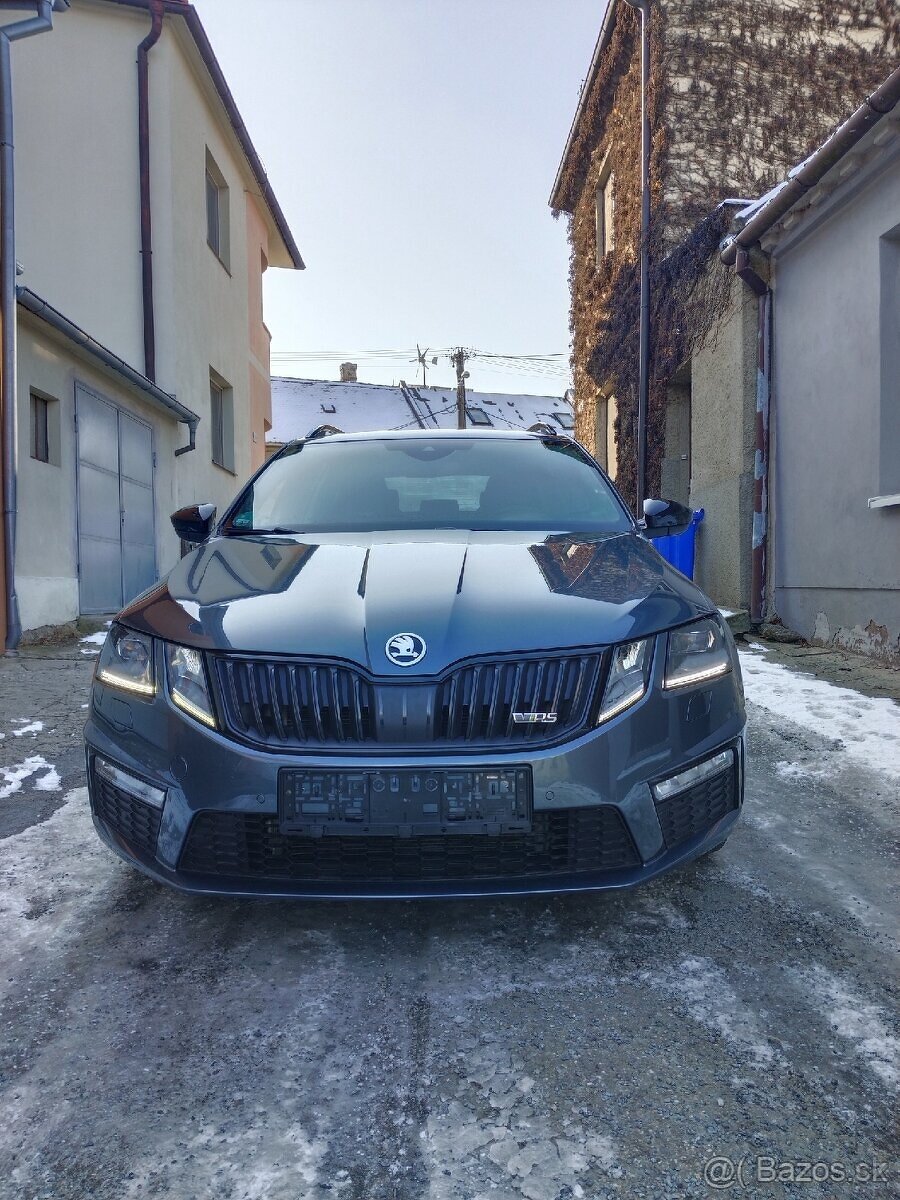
x,y
478,416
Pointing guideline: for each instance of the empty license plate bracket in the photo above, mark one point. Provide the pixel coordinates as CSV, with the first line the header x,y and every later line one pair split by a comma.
x,y
405,802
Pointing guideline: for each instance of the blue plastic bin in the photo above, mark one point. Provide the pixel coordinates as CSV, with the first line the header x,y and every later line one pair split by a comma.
x,y
678,548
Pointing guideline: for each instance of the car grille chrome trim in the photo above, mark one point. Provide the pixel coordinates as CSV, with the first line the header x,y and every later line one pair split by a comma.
x,y
561,843
299,704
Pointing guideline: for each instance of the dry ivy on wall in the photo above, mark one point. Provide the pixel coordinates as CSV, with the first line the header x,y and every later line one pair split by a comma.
x,y
740,92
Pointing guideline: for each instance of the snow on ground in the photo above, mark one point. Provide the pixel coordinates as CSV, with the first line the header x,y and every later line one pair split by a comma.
x,y
859,1023
703,988
868,728
15,776
92,643
26,726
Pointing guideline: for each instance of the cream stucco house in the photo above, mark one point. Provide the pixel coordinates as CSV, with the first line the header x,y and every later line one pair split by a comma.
x,y
135,395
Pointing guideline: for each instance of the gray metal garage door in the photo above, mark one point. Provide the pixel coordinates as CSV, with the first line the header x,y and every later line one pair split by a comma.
x,y
116,544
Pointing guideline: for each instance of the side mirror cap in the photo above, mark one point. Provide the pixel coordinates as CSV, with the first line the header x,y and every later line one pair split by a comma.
x,y
663,517
194,523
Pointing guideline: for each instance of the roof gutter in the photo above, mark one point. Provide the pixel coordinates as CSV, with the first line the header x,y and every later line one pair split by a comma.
x,y
33,303
805,177
601,44
187,12
41,22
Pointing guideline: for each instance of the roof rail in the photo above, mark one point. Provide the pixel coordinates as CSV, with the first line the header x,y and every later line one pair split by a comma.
x,y
321,431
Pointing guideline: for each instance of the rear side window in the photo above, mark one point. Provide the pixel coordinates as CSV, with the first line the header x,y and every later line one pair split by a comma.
x,y
422,483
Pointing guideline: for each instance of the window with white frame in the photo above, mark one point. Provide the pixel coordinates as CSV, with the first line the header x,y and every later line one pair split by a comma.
x,y
604,210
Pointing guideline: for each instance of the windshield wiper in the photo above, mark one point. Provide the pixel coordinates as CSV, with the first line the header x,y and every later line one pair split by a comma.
x,y
233,532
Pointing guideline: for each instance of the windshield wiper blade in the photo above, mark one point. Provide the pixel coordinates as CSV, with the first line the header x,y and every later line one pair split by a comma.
x,y
267,529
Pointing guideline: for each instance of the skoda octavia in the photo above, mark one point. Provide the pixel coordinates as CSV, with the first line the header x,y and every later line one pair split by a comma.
x,y
411,664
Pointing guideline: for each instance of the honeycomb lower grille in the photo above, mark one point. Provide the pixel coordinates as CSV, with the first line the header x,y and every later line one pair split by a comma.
x,y
136,823
561,843
691,812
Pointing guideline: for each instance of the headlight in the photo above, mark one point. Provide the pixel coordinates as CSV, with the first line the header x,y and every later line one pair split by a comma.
x,y
696,653
627,681
187,683
126,661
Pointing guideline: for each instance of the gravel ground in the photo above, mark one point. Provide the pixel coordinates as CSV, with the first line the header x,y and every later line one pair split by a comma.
x,y
599,1046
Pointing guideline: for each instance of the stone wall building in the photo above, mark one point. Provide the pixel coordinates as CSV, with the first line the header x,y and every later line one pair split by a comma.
x,y
740,92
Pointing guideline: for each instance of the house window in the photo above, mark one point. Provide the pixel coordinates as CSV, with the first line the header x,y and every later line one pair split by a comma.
x,y
604,211
221,421
564,419
44,428
217,211
478,416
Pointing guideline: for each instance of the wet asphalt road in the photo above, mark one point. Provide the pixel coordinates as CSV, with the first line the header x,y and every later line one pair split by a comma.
x,y
598,1046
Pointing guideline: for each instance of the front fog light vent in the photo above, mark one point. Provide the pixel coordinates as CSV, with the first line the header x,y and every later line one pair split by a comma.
x,y
694,775
126,782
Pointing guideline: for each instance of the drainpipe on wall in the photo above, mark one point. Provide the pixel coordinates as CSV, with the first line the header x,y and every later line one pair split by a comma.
x,y
760,534
643,7
40,23
157,12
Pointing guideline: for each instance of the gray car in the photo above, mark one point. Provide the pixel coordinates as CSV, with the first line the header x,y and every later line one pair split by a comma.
x,y
415,664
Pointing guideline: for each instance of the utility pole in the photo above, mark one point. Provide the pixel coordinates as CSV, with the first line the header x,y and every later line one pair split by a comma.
x,y
643,7
459,357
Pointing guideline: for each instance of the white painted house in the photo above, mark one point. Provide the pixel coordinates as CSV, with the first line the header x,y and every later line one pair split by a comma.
x,y
299,405
115,380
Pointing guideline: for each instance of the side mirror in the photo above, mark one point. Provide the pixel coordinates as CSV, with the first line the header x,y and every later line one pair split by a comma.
x,y
662,517
194,523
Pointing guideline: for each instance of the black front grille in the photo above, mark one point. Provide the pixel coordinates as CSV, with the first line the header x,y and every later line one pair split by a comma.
x,y
136,822
571,841
693,811
284,704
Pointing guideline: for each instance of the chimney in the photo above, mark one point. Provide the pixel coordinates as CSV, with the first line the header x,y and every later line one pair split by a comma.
x,y
348,373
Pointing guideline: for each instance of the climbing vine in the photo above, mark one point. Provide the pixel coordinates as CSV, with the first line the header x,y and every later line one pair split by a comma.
x,y
740,92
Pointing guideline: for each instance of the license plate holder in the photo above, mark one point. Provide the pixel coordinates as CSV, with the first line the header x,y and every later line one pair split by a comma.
x,y
405,802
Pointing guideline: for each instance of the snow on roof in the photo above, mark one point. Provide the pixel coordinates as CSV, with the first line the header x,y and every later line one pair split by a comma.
x,y
299,405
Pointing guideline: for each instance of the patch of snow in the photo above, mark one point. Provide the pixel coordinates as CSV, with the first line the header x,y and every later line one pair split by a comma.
x,y
95,639
858,1022
14,777
759,646
49,782
727,612
92,642
867,728
32,727
704,989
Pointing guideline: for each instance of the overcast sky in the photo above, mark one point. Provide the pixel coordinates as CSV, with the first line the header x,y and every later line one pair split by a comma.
x,y
413,146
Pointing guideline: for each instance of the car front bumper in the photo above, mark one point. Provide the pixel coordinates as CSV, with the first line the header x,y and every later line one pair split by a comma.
x,y
595,790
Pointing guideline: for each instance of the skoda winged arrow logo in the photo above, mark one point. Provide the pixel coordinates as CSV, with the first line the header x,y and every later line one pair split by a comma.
x,y
405,649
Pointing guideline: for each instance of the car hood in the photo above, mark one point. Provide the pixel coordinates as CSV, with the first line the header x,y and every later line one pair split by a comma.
x,y
344,596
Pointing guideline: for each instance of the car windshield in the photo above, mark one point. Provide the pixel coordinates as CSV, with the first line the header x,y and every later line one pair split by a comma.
x,y
418,482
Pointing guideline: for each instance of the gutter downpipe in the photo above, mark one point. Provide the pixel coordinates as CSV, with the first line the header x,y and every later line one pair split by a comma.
x,y
760,530
643,7
735,253
42,22
157,10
